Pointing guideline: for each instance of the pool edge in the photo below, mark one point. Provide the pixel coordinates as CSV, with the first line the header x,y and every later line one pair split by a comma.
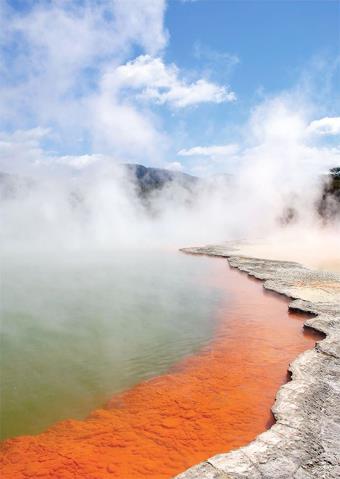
x,y
304,443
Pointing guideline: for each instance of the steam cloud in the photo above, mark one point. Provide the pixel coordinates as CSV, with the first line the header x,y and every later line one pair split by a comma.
x,y
80,79
279,171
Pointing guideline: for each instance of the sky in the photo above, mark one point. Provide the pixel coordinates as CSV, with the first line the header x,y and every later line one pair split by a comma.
x,y
196,86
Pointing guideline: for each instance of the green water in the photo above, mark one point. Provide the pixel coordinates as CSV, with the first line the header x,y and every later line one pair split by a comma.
x,y
77,329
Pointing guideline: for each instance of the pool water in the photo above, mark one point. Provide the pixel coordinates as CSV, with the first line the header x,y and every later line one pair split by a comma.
x,y
225,354
77,329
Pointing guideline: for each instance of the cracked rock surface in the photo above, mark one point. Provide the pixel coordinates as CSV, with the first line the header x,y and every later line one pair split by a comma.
x,y
304,443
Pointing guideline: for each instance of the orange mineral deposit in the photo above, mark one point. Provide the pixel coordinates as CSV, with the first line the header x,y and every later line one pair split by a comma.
x,y
209,403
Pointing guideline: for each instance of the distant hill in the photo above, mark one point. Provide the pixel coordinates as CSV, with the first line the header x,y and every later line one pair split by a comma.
x,y
329,206
335,172
151,179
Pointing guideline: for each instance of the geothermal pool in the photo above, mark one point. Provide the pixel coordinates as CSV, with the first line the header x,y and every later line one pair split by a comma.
x,y
77,329
188,352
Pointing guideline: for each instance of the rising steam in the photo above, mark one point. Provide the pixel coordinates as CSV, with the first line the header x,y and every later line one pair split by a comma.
x,y
274,193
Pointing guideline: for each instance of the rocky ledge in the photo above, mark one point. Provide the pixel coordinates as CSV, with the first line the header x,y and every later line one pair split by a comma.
x,y
304,443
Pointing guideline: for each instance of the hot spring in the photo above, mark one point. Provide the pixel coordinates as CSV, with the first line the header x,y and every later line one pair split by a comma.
x,y
76,330
136,365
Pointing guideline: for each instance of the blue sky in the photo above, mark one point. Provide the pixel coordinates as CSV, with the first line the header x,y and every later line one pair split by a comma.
x,y
174,84
272,39
275,43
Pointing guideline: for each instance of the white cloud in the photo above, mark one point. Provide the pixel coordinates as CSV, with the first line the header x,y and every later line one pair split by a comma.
x,y
53,57
277,120
217,150
275,148
21,150
325,126
79,161
162,84
213,159
217,60
117,122
63,66
174,166
61,48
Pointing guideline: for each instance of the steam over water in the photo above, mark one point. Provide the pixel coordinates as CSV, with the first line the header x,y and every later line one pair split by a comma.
x,y
77,330
88,306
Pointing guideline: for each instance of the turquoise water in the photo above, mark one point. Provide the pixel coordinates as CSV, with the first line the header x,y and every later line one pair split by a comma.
x,y
77,329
